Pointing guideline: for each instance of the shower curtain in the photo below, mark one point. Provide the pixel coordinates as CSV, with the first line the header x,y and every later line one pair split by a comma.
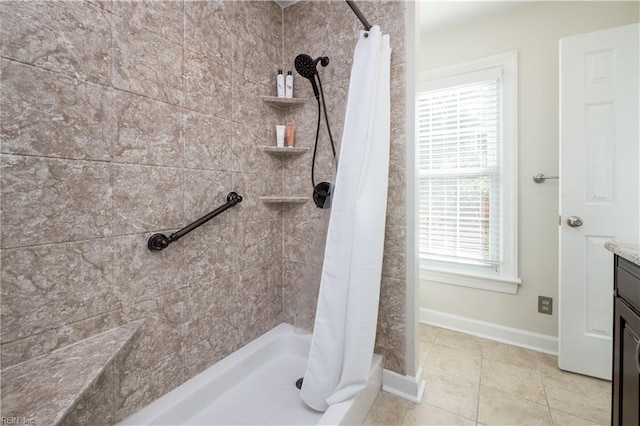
x,y
347,311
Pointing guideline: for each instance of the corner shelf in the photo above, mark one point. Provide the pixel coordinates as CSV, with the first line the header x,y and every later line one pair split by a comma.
x,y
282,103
287,151
278,199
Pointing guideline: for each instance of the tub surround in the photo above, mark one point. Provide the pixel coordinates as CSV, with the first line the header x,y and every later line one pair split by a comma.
x,y
47,390
122,119
631,252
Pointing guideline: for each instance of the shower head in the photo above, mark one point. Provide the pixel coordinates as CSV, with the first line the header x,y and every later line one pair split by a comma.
x,y
306,67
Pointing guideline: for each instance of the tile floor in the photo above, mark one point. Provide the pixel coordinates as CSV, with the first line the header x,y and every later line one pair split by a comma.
x,y
472,381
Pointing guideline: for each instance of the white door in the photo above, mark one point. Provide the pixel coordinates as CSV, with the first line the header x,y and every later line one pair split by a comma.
x,y
599,183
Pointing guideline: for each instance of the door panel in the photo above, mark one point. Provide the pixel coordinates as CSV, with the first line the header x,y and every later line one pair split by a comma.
x,y
599,182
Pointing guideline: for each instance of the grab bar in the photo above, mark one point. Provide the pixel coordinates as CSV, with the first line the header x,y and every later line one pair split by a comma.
x,y
159,242
539,177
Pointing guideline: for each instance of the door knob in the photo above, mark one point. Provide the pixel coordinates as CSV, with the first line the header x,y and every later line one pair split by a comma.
x,y
574,221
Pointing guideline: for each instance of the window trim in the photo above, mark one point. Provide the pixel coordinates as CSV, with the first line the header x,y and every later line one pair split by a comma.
x,y
507,281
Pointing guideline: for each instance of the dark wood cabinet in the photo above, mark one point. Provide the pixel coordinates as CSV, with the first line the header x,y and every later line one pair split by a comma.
x,y
626,344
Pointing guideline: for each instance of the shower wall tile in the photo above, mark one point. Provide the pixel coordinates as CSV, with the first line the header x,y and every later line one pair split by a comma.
x,y
207,85
301,282
212,316
71,38
208,252
146,64
103,4
391,337
252,186
136,389
206,190
200,356
49,115
146,198
47,200
47,286
259,243
247,139
148,131
252,50
208,142
209,28
259,291
394,262
398,111
140,274
305,237
246,109
160,334
164,18
261,18
396,209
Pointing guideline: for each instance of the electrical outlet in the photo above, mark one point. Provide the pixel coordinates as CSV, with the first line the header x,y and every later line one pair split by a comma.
x,y
545,305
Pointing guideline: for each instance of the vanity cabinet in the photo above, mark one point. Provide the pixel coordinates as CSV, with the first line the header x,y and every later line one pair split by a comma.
x,y
626,344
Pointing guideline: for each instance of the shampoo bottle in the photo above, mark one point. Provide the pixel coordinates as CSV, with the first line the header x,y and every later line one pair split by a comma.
x,y
288,91
280,84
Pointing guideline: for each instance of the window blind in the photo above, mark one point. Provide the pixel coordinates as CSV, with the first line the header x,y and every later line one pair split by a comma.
x,y
459,173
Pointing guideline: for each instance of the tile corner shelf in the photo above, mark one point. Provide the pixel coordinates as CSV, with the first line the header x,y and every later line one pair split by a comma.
x,y
282,102
277,199
283,151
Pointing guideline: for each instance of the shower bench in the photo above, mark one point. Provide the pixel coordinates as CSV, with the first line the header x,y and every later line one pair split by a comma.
x,y
48,390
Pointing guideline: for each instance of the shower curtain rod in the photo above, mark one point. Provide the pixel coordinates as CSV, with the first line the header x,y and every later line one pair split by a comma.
x,y
359,14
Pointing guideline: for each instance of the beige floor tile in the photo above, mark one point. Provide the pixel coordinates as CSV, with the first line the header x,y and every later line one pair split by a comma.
x,y
518,381
579,395
563,419
425,348
427,414
428,333
451,393
465,365
548,365
459,341
501,408
387,410
509,354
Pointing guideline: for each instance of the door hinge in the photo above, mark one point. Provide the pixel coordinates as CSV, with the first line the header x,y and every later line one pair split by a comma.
x,y
559,220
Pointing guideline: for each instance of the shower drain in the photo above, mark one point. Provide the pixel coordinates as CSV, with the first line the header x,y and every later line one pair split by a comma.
x,y
299,382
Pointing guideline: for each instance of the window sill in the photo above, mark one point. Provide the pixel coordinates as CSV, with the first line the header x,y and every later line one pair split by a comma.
x,y
482,282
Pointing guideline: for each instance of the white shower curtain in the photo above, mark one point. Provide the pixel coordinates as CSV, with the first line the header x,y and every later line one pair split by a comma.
x,y
346,316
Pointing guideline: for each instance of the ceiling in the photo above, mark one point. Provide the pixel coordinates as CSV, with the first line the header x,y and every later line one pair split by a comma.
x,y
436,15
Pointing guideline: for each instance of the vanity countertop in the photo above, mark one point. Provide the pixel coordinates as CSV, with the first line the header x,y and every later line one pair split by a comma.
x,y
631,252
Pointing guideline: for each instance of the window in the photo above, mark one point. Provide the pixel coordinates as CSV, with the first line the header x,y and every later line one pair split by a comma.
x,y
467,174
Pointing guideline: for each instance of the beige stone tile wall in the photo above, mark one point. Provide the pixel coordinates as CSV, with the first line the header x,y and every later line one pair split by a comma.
x,y
329,28
121,119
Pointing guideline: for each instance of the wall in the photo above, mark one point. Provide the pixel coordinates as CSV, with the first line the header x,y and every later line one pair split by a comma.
x,y
329,28
120,120
534,30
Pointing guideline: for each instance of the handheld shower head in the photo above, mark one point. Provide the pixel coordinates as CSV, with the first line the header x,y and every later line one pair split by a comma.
x,y
306,67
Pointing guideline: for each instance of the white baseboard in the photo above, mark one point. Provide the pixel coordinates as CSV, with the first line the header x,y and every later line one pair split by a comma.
x,y
513,336
407,387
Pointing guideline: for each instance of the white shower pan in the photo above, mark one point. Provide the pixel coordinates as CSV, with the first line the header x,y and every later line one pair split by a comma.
x,y
256,386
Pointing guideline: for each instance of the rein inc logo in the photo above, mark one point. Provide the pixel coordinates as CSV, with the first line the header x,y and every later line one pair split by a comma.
x,y
12,420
